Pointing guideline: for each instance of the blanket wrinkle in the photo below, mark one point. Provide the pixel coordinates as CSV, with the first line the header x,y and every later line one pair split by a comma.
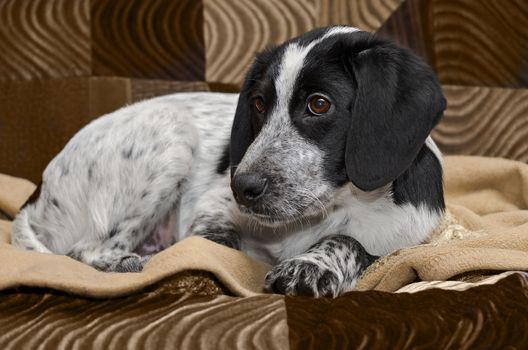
x,y
485,229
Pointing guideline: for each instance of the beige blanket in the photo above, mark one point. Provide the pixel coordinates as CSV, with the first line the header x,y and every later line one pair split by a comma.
x,y
488,230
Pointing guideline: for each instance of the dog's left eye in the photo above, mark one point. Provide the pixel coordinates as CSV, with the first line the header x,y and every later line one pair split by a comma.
x,y
259,105
318,105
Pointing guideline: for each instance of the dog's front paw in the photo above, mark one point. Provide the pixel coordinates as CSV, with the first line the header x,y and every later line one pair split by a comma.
x,y
300,277
131,263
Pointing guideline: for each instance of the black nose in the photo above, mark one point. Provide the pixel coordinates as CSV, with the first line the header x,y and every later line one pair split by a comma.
x,y
248,188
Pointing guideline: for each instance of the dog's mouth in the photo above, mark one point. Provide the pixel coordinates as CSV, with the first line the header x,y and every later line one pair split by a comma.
x,y
277,217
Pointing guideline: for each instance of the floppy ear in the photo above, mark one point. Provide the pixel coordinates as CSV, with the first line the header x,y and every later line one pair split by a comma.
x,y
398,102
242,130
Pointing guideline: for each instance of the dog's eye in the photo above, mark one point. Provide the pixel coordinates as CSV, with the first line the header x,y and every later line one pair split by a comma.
x,y
259,105
318,105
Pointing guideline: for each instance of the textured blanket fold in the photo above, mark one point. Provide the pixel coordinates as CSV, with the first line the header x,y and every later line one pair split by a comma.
x,y
487,229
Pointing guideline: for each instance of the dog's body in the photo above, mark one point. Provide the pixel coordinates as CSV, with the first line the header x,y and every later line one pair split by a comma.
x,y
149,174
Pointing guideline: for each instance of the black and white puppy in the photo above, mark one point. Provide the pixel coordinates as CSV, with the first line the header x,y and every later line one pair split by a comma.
x,y
329,157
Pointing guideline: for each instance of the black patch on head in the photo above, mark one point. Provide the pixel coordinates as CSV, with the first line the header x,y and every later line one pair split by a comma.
x,y
259,82
421,183
223,163
385,101
324,73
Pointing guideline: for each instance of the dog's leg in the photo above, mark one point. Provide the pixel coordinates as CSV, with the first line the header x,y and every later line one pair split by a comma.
x,y
212,219
115,252
212,227
109,257
329,268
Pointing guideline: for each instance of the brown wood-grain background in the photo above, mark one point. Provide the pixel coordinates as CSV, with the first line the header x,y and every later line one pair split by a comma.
x,y
65,62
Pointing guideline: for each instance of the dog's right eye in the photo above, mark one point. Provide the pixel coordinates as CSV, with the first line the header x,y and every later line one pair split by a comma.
x,y
318,105
259,105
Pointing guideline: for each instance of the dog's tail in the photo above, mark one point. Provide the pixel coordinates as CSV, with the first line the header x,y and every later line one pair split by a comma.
x,y
23,235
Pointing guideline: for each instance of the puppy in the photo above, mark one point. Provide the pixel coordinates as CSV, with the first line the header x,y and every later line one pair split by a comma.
x,y
326,164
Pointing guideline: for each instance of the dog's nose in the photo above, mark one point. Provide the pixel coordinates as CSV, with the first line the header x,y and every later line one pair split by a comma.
x,y
248,188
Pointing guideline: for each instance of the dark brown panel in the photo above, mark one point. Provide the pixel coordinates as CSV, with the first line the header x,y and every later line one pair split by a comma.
x,y
481,42
38,117
44,39
486,317
158,39
368,15
484,121
411,27
142,89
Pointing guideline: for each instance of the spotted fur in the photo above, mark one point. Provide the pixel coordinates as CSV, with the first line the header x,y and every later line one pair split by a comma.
x,y
363,180
328,268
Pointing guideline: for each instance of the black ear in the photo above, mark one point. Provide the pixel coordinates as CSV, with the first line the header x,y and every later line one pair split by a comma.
x,y
397,104
242,130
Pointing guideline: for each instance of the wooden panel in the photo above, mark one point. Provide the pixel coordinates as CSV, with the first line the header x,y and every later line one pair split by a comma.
x,y
144,321
44,39
484,317
481,42
484,121
237,29
142,89
157,39
368,15
410,26
37,118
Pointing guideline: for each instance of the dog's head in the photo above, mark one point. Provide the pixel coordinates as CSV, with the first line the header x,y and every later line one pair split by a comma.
x,y
333,106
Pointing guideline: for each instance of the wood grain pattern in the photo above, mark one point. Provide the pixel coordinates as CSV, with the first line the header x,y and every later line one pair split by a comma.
x,y
491,316
485,317
144,321
157,39
410,26
481,42
368,15
235,30
484,121
44,39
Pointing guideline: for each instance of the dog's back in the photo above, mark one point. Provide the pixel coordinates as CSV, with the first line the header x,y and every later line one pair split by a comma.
x,y
124,173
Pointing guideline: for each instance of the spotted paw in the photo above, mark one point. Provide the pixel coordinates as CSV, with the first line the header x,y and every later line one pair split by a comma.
x,y
299,277
131,263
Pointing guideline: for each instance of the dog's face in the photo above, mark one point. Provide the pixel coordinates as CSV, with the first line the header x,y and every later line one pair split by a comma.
x,y
333,106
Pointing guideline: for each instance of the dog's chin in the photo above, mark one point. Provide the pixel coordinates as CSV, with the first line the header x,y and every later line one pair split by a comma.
x,y
278,220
